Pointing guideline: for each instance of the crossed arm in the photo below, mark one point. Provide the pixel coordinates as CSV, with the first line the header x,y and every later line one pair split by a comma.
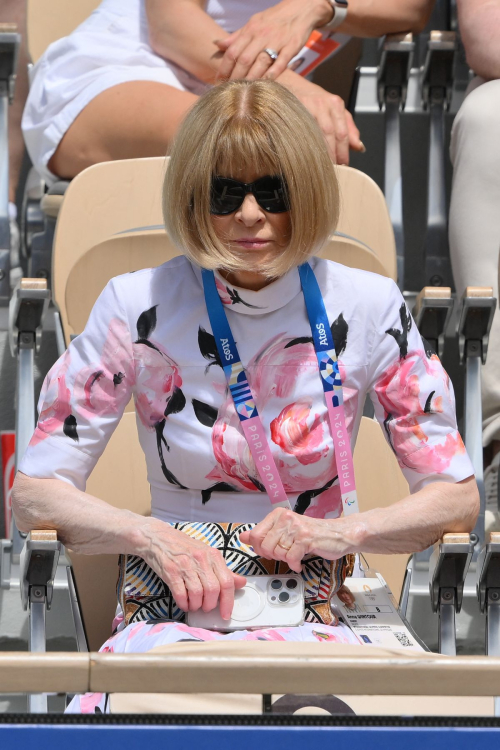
x,y
198,575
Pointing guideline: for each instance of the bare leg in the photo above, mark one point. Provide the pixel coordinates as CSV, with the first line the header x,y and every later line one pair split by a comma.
x,y
14,11
129,120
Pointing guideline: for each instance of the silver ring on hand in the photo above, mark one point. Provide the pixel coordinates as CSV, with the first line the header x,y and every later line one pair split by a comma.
x,y
272,53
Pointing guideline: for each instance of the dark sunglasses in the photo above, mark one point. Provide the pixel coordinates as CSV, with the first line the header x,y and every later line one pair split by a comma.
x,y
227,195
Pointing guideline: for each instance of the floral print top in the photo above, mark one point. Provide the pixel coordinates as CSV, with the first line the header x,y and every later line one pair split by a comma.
x,y
148,337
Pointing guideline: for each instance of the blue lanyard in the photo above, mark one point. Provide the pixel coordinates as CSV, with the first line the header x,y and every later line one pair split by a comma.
x,y
245,403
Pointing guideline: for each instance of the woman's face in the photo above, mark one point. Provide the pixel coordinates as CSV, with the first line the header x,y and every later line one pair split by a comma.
x,y
255,234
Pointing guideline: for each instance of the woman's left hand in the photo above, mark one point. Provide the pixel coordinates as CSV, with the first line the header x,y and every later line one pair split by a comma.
x,y
285,28
288,536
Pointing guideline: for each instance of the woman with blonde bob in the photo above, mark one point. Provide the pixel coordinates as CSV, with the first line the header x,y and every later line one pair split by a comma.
x,y
249,360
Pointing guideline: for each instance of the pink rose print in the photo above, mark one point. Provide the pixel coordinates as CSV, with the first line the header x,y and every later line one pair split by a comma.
x,y
398,391
99,389
159,378
56,401
230,296
329,502
266,635
89,702
223,292
103,388
300,432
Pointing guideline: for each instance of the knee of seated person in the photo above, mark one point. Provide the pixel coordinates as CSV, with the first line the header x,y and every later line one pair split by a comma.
x,y
73,155
480,111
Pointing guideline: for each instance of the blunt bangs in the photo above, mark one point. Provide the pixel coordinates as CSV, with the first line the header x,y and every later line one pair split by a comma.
x,y
243,142
233,126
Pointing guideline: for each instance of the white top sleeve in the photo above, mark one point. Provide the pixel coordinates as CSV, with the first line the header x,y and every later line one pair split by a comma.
x,y
414,400
83,397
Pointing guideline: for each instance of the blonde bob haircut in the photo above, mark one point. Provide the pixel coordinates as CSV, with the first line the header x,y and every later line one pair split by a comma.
x,y
262,126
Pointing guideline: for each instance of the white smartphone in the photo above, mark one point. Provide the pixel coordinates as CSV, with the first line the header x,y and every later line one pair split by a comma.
x,y
264,602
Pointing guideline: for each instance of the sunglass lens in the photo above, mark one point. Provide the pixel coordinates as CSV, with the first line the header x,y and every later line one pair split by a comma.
x,y
226,196
270,193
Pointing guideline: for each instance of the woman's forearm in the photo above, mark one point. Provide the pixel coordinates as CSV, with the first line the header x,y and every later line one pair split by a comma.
x,y
83,523
480,29
416,522
372,18
181,31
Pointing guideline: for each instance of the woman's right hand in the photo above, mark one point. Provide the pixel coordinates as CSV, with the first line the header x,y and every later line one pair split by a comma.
x,y
196,574
330,113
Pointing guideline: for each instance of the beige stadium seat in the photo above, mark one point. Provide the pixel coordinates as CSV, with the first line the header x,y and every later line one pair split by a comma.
x,y
111,208
111,223
49,20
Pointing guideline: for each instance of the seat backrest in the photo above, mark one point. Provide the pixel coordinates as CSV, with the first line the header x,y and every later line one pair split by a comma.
x,y
120,479
49,20
380,484
111,222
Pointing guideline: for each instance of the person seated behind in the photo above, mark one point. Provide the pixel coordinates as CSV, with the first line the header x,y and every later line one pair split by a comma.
x,y
120,84
250,193
474,226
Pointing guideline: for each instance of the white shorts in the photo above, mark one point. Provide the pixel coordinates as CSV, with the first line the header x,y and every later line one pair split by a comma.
x,y
109,48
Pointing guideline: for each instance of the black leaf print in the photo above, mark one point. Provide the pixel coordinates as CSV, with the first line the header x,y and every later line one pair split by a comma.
x,y
95,377
339,329
304,499
428,403
147,343
146,323
205,413
176,403
219,487
428,349
401,336
235,298
300,340
160,438
118,378
387,429
69,428
208,347
257,484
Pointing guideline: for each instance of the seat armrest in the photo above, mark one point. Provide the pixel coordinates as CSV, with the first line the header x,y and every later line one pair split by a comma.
x,y
28,305
476,316
488,571
52,200
448,567
38,564
432,311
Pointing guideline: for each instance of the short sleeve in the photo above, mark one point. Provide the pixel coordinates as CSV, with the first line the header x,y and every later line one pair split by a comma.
x,y
414,400
83,397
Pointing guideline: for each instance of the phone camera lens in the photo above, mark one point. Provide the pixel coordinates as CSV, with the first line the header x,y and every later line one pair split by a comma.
x,y
284,596
291,584
275,584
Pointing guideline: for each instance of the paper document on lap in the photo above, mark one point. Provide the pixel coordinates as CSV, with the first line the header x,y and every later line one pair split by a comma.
x,y
374,618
